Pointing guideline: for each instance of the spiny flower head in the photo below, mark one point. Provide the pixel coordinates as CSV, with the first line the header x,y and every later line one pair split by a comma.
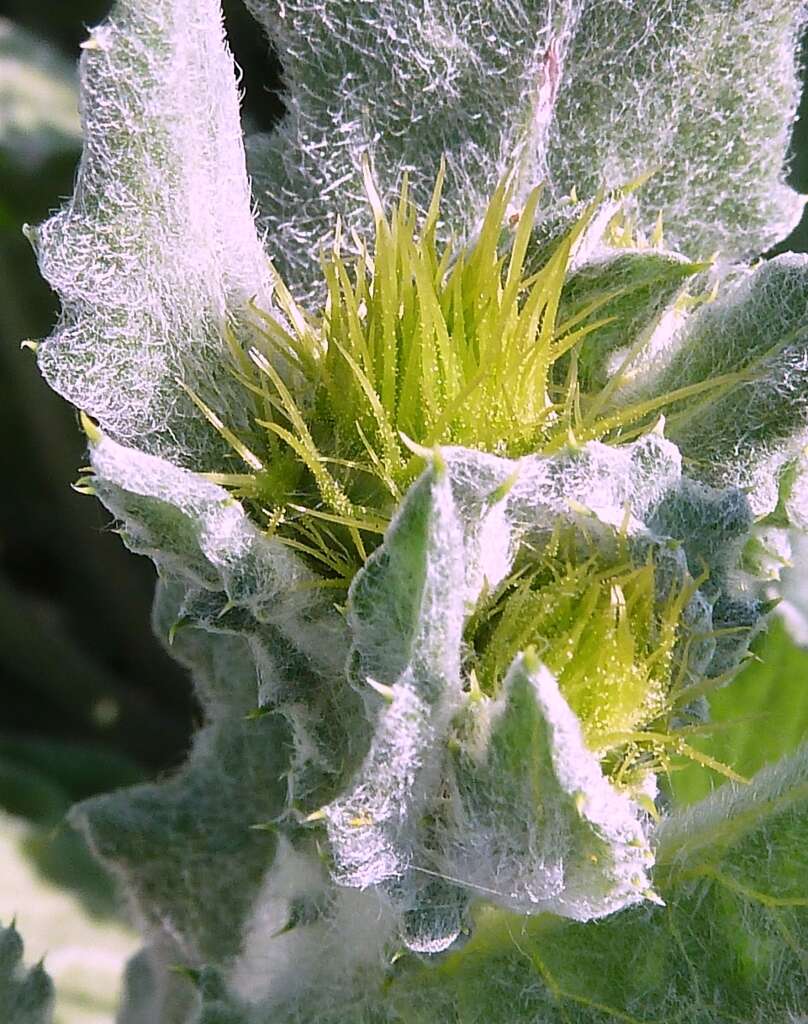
x,y
498,347
419,345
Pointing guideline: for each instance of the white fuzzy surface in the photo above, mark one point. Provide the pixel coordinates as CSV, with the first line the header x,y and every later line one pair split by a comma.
x,y
157,247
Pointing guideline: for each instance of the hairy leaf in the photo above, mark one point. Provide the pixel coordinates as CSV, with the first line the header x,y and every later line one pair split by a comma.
x,y
703,95
157,247
406,609
404,84
536,826
26,997
579,94
757,328
729,946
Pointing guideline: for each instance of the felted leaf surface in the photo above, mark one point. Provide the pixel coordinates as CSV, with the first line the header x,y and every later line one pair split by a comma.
x,y
701,93
503,501
157,247
191,834
638,488
729,946
406,84
26,996
244,617
745,436
536,826
711,527
406,610
557,836
634,288
577,94
236,579
238,612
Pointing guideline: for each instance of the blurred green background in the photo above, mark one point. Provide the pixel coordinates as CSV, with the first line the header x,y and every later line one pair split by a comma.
x,y
90,701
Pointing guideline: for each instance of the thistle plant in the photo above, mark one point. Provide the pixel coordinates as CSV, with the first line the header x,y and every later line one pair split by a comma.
x,y
464,441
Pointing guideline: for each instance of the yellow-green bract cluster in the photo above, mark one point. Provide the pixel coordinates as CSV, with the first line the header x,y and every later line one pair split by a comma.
x,y
422,345
495,347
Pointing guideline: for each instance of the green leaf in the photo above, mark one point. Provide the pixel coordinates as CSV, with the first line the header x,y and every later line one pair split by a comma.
x,y
140,999
191,835
712,526
401,607
744,435
233,578
503,501
157,248
39,780
757,720
241,613
636,289
406,85
406,610
701,93
536,826
584,95
26,997
729,946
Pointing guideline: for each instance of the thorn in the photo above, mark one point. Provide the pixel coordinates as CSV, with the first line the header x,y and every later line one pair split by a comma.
x,y
659,426
90,43
191,973
314,817
475,690
360,821
582,510
414,447
32,346
337,244
438,463
85,489
399,953
433,455
654,897
503,489
658,235
264,826
387,692
648,805
175,628
90,428
580,802
531,660
259,712
290,926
